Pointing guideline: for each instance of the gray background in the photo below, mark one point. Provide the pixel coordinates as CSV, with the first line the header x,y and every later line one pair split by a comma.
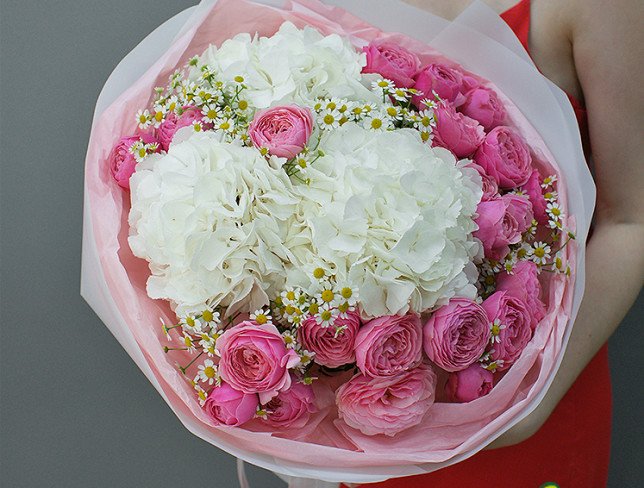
x,y
76,411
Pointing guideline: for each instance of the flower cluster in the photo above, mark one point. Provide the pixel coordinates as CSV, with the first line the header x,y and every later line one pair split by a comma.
x,y
356,213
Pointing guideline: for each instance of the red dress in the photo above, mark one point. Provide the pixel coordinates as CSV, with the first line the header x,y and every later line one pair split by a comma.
x,y
571,450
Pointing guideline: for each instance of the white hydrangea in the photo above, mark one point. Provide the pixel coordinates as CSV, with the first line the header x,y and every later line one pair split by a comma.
x,y
211,218
390,216
294,65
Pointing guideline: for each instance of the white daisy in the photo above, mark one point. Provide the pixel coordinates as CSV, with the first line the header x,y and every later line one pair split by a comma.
x,y
540,252
261,317
207,372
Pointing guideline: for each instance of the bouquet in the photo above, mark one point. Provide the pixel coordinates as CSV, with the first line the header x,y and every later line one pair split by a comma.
x,y
327,245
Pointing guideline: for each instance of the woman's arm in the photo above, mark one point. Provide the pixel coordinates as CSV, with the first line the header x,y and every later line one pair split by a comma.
x,y
608,49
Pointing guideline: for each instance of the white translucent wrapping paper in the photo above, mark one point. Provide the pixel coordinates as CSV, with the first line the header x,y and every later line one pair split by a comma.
x,y
482,43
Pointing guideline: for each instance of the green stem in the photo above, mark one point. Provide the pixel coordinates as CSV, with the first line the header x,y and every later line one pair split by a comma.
x,y
184,368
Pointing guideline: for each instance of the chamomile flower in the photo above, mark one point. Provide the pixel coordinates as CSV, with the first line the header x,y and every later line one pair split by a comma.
x,y
201,394
329,119
160,111
495,330
208,345
399,94
143,119
556,224
325,317
348,294
493,365
554,211
425,120
550,196
210,318
429,103
207,372
377,121
305,357
524,251
394,112
290,296
261,317
210,112
540,252
382,86
289,339
559,263
189,342
226,124
548,181
191,325
166,330
139,151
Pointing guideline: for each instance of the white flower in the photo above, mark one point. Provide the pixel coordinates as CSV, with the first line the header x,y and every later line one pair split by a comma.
x,y
400,233
293,65
143,119
554,211
540,252
207,372
548,181
198,211
261,317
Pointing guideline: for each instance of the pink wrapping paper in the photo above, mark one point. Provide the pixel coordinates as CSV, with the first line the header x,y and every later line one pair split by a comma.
x,y
449,433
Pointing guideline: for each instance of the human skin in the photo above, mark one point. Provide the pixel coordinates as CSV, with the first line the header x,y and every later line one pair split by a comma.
x,y
593,50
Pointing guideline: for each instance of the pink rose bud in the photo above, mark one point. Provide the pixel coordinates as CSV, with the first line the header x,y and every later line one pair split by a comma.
x,y
228,406
122,161
283,130
524,284
254,359
332,349
445,81
534,191
514,327
469,384
483,105
173,122
490,186
291,408
387,405
456,334
389,345
456,132
392,62
501,222
505,156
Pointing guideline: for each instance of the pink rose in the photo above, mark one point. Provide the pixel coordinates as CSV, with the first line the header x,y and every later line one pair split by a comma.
x,y
469,384
228,406
501,222
387,405
254,359
392,62
283,130
173,122
535,193
456,334
445,81
505,156
331,349
524,284
122,161
490,186
456,132
515,327
292,407
483,105
389,345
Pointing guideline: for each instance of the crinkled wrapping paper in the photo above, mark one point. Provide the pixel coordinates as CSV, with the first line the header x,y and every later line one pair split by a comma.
x,y
113,280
